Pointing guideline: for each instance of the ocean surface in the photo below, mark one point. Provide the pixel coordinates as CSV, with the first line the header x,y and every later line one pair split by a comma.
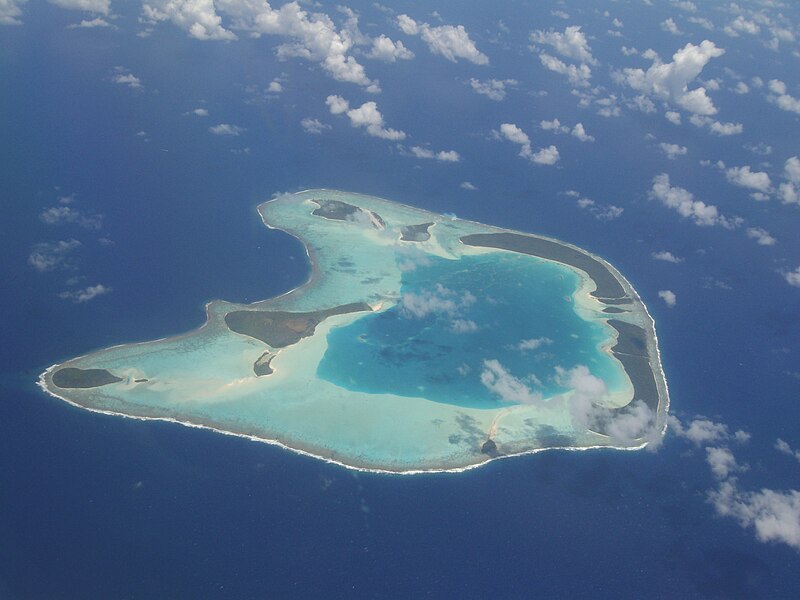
x,y
94,506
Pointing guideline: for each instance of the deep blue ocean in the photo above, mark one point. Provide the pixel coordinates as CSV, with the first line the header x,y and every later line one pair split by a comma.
x,y
93,506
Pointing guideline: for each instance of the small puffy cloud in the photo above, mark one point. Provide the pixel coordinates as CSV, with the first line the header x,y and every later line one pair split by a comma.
x,y
793,277
577,75
311,36
579,132
686,5
494,89
226,129
383,48
88,293
123,76
546,156
666,257
466,185
673,117
442,155
96,6
60,215
784,448
554,125
686,205
367,116
11,11
445,40
774,515
702,22
601,212
673,151
669,297
747,178
571,43
275,87
437,301
671,27
52,255
702,431
761,236
512,133
789,191
670,81
90,24
782,98
791,169
741,25
722,462
533,344
716,127
741,88
314,126
200,112
498,380
463,326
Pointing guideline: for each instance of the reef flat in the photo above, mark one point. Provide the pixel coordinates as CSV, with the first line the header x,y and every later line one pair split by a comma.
x,y
419,343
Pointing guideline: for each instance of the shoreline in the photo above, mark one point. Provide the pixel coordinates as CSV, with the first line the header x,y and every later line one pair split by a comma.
x,y
654,357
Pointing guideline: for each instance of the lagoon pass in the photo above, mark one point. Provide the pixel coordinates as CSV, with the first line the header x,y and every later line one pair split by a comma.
x,y
419,343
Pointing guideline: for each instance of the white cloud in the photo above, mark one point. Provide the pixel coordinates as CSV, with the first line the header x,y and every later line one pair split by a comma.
x,y
671,27
446,40
51,255
533,344
579,132
673,151
741,88
466,185
88,293
788,191
702,431
59,215
200,112
781,98
702,21
673,117
438,301
684,203
275,87
367,115
570,44
686,5
10,11
494,89
576,75
669,297
314,126
463,326
774,515
629,51
226,129
745,177
784,448
383,48
313,36
90,24
670,81
722,462
601,212
554,125
560,14
761,236
442,155
741,25
793,277
546,156
124,77
498,380
96,6
716,127
666,257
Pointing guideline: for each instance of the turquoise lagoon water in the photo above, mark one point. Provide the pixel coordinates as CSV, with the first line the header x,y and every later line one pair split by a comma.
x,y
489,305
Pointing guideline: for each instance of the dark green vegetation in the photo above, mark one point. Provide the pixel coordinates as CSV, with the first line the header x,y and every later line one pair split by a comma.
x,y
416,233
71,377
280,329
262,367
337,210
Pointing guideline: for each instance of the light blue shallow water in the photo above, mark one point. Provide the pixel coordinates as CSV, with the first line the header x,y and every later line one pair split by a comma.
x,y
487,305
